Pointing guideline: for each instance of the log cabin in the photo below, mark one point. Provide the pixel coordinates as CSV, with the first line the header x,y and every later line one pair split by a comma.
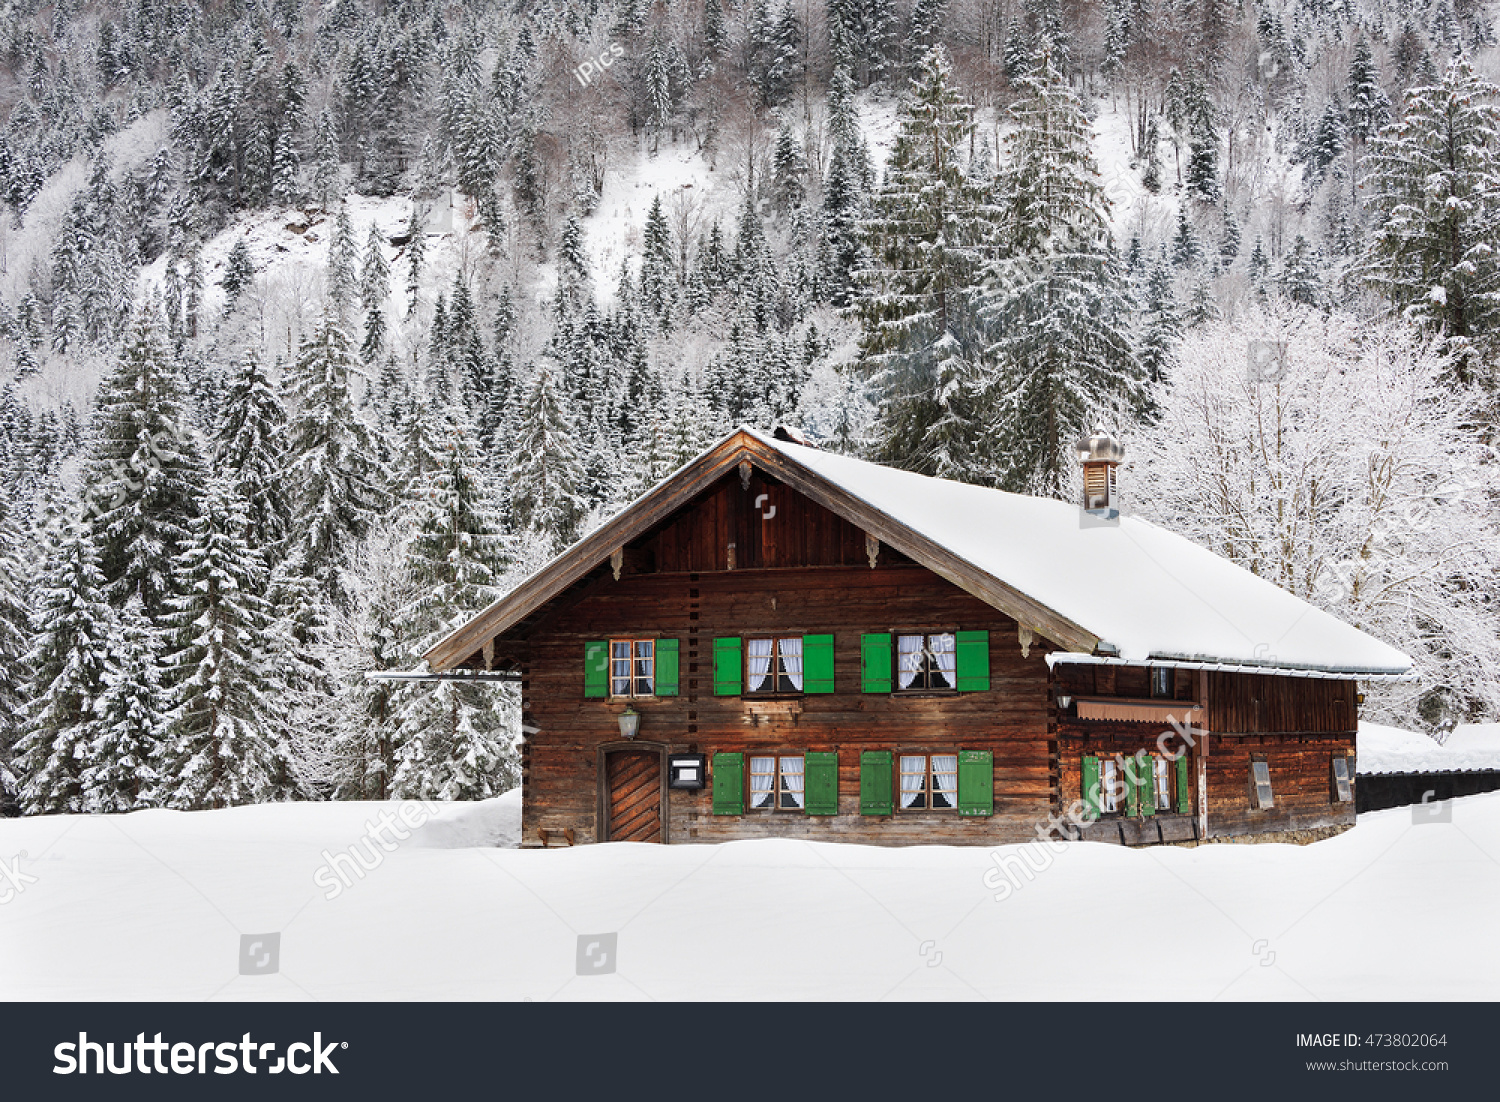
x,y
779,641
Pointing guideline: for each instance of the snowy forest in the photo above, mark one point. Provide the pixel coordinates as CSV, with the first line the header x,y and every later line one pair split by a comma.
x,y
324,324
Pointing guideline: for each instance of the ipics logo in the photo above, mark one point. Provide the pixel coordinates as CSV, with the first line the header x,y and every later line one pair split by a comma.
x,y
595,66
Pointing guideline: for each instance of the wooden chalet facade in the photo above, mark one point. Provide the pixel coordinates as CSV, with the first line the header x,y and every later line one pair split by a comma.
x,y
799,650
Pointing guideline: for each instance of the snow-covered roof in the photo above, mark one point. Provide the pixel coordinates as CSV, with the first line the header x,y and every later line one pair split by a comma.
x,y
1472,747
1123,588
1150,592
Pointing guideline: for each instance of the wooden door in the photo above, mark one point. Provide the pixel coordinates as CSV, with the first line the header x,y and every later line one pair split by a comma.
x,y
633,791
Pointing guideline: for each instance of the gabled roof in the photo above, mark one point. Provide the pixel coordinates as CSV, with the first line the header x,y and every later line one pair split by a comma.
x,y
1087,584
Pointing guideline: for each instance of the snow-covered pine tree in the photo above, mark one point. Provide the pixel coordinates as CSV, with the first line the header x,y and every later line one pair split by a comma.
x,y
547,477
1058,298
1369,106
788,168
120,770
239,272
327,168
1432,185
844,189
250,450
343,265
374,290
658,268
452,740
14,645
416,253
931,228
145,468
72,628
226,744
336,474
1161,325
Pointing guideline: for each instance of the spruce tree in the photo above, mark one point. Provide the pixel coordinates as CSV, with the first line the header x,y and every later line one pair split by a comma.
x,y
145,469
14,645
1058,299
930,229
334,467
73,629
226,746
1433,187
547,477
374,290
250,450
120,773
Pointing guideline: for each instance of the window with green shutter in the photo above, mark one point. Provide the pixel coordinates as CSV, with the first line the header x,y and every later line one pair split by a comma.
x,y
817,663
821,782
596,669
1145,780
973,661
729,784
1184,796
875,782
728,667
1132,788
1091,808
668,665
976,782
875,662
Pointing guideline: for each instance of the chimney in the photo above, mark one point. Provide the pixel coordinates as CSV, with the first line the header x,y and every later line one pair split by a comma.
x,y
1099,454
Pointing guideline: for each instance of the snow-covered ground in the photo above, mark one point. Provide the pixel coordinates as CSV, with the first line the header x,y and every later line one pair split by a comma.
x,y
154,905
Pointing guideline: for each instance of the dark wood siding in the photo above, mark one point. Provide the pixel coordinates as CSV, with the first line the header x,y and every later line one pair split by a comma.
x,y
1010,719
1252,704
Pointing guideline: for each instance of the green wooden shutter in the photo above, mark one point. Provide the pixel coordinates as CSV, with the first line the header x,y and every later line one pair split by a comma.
x,y
1091,802
1132,788
596,668
973,660
729,784
820,782
976,782
729,667
875,782
875,662
817,663
1148,785
1184,796
668,665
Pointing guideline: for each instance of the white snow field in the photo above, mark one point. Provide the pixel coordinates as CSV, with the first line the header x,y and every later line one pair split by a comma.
x,y
153,905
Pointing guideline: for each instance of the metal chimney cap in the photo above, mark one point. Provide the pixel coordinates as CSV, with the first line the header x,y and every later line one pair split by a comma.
x,y
1099,447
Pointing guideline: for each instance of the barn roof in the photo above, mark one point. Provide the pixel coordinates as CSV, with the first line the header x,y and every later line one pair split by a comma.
x,y
1122,588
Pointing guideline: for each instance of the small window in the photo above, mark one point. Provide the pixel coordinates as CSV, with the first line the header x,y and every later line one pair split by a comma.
x,y
1163,684
1342,793
1260,781
1162,770
632,667
773,665
1109,785
929,781
776,782
926,662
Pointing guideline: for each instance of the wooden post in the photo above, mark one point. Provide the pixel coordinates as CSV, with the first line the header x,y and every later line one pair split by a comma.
x,y
1203,755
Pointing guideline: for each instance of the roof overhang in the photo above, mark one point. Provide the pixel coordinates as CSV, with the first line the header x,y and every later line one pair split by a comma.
x,y
1058,658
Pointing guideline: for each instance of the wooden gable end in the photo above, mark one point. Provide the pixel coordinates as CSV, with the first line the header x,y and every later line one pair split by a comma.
x,y
763,525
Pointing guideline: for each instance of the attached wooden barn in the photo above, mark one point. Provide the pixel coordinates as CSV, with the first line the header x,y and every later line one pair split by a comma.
x,y
778,641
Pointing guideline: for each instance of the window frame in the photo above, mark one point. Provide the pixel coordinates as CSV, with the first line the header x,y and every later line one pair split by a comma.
x,y
777,774
1111,797
1257,802
926,634
775,676
1343,785
634,678
1168,689
898,774
1163,781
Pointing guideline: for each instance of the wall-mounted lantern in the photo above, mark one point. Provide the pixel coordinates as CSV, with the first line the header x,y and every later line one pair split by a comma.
x,y
686,770
630,722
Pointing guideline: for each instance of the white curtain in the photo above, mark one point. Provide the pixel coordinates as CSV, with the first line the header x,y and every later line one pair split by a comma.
x,y
791,782
1163,783
791,662
760,664
909,659
645,662
762,782
946,656
913,779
619,669
944,780
1107,783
